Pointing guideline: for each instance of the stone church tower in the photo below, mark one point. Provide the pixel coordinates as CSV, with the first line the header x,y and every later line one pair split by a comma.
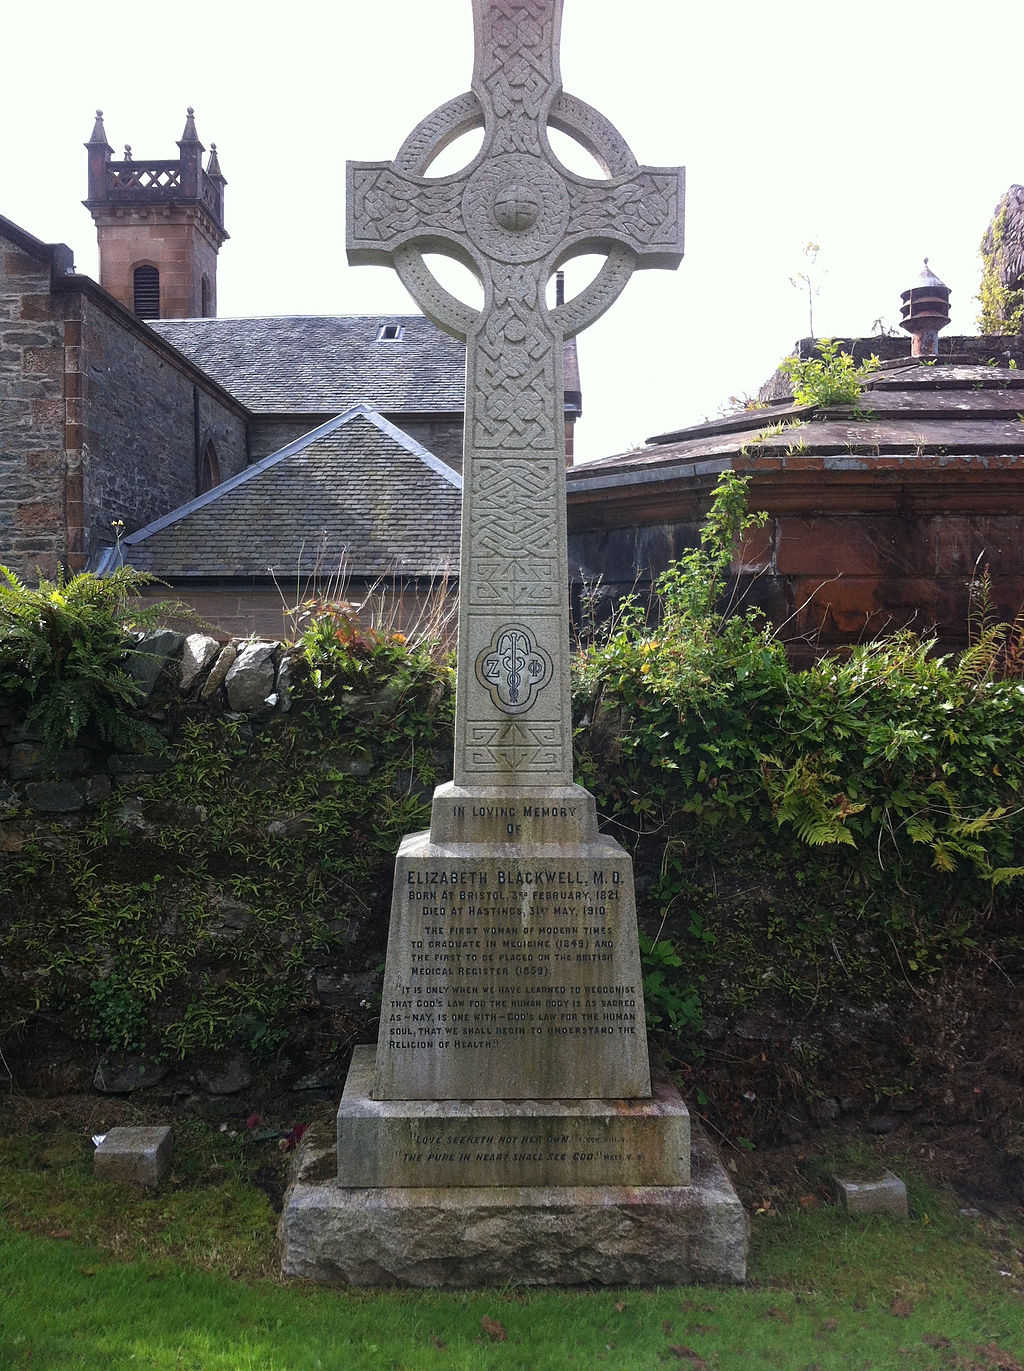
x,y
160,225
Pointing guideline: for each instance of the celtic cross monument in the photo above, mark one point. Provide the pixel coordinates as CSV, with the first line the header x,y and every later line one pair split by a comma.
x,y
511,1077
513,216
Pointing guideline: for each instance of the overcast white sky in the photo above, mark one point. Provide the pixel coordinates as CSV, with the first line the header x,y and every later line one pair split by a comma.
x,y
883,131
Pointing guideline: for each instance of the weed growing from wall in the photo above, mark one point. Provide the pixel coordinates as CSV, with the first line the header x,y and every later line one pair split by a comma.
x,y
831,378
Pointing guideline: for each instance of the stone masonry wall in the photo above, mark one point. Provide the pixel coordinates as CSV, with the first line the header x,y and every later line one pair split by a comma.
x,y
249,678
139,416
31,413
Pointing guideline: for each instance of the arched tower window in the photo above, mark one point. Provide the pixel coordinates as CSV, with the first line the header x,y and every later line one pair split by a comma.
x,y
204,290
209,468
146,292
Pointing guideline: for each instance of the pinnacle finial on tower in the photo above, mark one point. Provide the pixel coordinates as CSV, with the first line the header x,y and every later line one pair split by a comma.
x,y
189,135
98,138
213,170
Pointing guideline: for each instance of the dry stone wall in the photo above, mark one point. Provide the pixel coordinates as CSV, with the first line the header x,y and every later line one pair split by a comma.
x,y
248,679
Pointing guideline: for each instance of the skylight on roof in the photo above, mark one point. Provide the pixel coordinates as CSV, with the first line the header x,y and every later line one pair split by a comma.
x,y
389,333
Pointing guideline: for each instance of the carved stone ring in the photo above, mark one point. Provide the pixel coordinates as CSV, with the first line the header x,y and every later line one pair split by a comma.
x,y
515,211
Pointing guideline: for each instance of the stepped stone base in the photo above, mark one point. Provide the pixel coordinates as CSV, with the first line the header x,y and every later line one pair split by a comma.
x,y
508,1142
463,1237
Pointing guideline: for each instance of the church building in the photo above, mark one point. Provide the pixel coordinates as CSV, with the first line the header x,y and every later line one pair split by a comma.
x,y
246,461
232,457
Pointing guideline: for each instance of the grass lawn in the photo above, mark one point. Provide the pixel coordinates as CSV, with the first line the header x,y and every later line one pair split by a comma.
x,y
95,1277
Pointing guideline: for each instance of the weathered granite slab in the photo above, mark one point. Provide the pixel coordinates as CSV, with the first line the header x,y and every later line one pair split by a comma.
x,y
468,1236
512,974
509,1142
134,1156
884,1194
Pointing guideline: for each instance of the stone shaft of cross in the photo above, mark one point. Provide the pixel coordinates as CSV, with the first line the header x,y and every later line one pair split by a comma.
x,y
513,216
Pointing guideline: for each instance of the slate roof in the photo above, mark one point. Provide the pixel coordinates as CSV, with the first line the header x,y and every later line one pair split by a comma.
x,y
325,364
356,491
915,414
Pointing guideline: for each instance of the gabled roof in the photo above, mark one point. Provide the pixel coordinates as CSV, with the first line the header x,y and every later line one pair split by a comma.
x,y
356,492
325,364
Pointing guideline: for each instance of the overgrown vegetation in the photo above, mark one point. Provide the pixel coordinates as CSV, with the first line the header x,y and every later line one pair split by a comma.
x,y
63,648
807,844
831,378
1002,308
195,915
809,838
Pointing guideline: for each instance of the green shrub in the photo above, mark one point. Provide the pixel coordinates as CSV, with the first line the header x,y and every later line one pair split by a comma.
x,y
1002,308
63,647
833,378
876,795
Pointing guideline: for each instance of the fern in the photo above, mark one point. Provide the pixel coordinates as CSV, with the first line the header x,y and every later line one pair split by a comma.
x,y
63,652
822,831
1002,874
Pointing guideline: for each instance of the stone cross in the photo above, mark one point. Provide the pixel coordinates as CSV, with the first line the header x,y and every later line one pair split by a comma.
x,y
513,216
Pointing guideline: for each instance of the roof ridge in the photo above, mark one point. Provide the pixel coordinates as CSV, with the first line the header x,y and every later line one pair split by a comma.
x,y
264,464
260,318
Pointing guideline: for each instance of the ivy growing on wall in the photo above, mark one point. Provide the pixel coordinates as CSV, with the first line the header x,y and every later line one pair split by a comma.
x,y
799,837
1002,308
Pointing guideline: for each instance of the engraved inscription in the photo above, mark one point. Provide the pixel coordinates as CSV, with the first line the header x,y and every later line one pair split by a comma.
x,y
509,952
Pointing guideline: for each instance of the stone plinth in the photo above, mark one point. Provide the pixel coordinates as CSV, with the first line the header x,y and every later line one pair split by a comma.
x,y
885,1194
513,972
467,1236
134,1156
635,1142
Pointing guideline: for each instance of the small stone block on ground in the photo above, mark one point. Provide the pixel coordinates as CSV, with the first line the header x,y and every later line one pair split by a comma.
x,y
134,1156
885,1195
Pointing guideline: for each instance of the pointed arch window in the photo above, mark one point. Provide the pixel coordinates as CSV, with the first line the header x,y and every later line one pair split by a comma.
x,y
146,292
209,468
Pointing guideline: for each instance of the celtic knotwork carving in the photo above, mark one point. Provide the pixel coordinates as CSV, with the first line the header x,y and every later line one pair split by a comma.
x,y
646,207
512,583
514,509
389,205
517,67
513,215
513,381
517,747
515,208
513,669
